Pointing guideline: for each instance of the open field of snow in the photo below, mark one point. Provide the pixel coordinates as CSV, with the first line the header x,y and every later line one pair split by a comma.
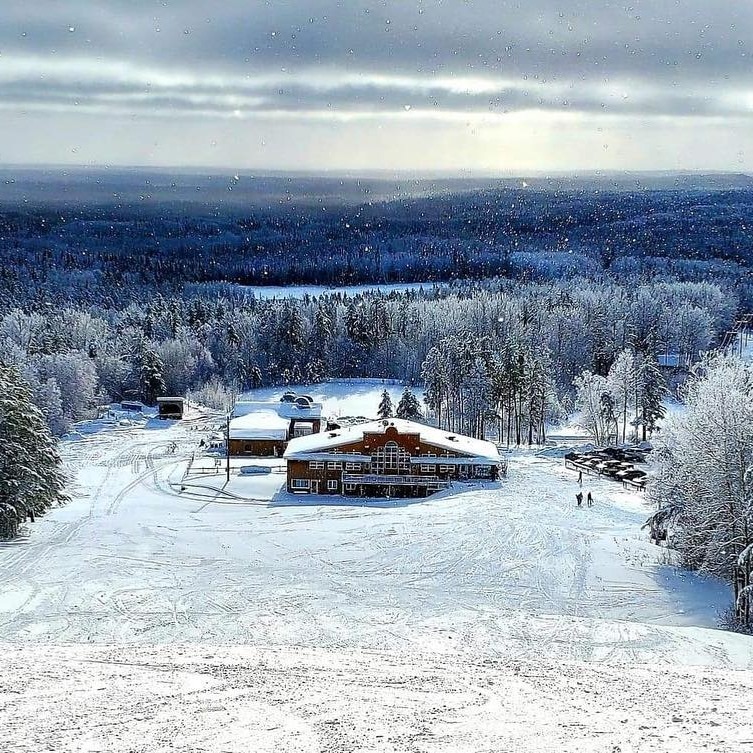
x,y
355,397
301,623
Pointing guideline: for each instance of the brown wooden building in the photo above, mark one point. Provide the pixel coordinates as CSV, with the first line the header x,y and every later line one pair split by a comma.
x,y
390,457
260,429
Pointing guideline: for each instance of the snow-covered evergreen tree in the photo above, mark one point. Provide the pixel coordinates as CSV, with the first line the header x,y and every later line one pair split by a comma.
x,y
385,409
652,391
30,477
151,380
409,407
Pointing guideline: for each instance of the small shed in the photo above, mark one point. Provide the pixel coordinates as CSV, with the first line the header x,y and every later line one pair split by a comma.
x,y
171,408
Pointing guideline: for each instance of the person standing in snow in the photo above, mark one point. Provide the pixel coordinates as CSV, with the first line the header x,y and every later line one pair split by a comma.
x,y
580,477
579,498
589,500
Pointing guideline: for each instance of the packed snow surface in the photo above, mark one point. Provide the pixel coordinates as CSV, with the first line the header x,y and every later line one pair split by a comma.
x,y
489,613
209,699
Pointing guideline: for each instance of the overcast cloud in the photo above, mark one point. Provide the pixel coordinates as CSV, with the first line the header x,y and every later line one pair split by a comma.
x,y
477,84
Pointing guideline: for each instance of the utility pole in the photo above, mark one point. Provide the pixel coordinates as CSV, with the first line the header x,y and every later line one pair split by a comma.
x,y
227,447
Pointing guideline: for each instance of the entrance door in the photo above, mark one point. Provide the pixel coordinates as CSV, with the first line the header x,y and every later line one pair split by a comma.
x,y
315,487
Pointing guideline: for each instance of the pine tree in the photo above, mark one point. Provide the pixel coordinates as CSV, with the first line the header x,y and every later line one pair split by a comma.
x,y
30,477
409,408
385,409
316,371
151,381
653,391
256,377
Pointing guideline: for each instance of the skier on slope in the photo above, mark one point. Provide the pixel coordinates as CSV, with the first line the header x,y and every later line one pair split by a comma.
x,y
589,500
579,498
580,477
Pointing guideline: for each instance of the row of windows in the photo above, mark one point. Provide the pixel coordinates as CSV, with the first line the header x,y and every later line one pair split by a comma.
x,y
333,484
318,465
304,483
381,467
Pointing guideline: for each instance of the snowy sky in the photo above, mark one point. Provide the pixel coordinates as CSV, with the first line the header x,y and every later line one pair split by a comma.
x,y
479,85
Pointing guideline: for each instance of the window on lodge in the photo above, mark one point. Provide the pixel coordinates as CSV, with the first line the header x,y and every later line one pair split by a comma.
x,y
332,466
332,485
352,466
300,483
316,465
390,460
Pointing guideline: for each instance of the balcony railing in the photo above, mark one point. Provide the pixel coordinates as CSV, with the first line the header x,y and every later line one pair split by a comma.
x,y
377,479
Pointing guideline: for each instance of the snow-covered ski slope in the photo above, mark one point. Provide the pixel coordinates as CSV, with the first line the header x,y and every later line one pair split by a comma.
x,y
210,699
494,617
507,569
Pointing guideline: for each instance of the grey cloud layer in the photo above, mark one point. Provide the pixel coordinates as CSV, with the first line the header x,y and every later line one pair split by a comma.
x,y
479,56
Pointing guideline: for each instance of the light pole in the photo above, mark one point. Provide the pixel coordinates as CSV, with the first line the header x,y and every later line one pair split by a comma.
x,y
229,408
227,447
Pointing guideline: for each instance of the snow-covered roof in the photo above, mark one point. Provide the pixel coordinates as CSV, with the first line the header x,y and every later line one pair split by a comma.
x,y
477,448
260,424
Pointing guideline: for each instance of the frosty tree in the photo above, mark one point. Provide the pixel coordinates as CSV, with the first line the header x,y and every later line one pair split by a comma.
x,y
151,379
30,477
704,480
409,407
622,379
385,409
595,401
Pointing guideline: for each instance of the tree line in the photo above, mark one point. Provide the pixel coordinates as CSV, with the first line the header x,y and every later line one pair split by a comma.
x,y
496,357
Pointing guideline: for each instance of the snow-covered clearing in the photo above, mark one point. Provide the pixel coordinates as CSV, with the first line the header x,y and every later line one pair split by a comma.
x,y
459,622
340,397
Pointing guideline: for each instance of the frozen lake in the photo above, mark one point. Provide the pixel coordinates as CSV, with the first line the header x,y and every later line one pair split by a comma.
x,y
299,291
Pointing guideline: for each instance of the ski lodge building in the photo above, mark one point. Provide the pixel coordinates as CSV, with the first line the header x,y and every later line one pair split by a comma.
x,y
390,457
260,429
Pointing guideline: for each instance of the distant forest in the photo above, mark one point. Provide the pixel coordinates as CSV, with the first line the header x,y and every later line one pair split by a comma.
x,y
90,251
106,294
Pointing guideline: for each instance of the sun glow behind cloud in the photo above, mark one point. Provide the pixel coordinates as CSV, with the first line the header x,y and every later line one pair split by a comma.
x,y
490,86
